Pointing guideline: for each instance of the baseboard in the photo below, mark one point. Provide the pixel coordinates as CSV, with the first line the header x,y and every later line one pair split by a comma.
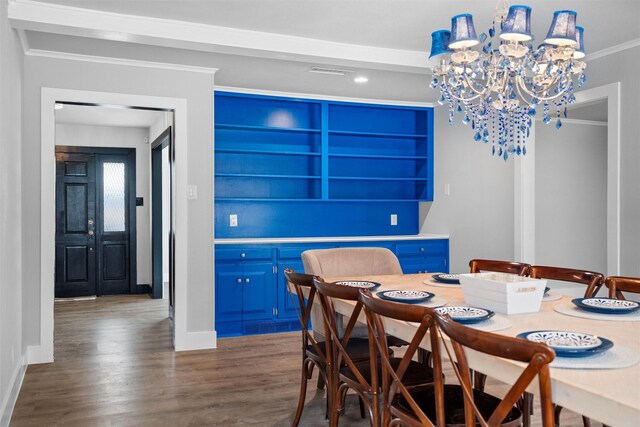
x,y
203,340
143,289
36,354
9,402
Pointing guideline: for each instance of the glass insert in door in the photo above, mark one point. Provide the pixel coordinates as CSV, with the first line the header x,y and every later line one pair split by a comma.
x,y
114,197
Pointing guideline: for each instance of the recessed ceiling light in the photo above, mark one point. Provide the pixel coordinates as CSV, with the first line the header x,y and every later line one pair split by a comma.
x,y
58,106
361,79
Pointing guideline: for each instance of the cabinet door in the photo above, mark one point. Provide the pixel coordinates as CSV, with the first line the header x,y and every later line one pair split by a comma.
x,y
259,291
229,282
287,303
431,264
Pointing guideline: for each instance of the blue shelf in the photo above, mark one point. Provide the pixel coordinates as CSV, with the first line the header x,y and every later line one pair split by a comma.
x,y
379,156
263,128
266,152
378,134
377,178
255,175
253,199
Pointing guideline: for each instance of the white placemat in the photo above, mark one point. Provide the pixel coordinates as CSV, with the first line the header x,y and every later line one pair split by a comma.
x,y
434,302
441,284
571,310
496,323
551,296
616,357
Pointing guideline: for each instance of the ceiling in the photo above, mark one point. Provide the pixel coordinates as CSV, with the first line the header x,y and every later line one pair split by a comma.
x,y
106,116
271,44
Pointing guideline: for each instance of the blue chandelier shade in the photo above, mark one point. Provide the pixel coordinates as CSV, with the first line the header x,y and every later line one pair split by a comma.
x,y
579,53
440,43
517,25
563,29
463,33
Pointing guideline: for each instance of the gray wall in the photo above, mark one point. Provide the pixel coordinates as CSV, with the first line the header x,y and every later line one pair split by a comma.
x,y
11,343
196,89
571,195
124,137
478,214
623,67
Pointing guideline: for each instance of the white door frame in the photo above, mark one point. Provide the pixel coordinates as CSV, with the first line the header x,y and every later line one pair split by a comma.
x,y
43,353
524,221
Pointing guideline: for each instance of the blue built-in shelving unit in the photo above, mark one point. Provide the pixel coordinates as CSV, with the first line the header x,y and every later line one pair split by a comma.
x,y
290,167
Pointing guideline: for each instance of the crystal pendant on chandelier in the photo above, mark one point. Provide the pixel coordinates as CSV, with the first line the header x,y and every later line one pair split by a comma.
x,y
500,87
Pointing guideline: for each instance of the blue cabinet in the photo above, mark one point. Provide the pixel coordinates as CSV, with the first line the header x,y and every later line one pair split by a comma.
x,y
251,291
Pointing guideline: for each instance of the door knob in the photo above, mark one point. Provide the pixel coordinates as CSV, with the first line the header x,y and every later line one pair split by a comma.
x,y
247,280
239,280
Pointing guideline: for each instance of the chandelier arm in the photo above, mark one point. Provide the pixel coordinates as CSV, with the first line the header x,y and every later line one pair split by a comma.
x,y
458,98
533,94
470,84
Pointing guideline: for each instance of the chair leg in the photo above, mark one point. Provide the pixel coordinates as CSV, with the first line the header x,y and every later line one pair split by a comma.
x,y
303,392
526,406
321,382
479,380
361,402
556,414
586,421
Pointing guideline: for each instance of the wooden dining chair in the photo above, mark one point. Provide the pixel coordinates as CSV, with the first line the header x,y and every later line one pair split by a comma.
x,y
519,268
344,372
480,265
619,284
592,280
393,375
314,353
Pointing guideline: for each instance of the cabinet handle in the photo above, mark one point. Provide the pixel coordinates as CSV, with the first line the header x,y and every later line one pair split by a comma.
x,y
421,249
239,280
242,255
247,280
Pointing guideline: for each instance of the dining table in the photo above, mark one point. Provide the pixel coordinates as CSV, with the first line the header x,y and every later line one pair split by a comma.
x,y
608,395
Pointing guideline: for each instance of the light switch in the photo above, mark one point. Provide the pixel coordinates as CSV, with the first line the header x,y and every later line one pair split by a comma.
x,y
394,219
233,220
192,191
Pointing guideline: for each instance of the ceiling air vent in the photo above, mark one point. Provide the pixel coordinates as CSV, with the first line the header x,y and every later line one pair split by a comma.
x,y
330,70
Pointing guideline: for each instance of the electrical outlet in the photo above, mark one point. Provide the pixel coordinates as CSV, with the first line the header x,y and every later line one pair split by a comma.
x,y
233,220
394,219
192,192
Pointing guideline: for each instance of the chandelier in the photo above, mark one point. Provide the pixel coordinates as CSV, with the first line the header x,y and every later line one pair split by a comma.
x,y
499,88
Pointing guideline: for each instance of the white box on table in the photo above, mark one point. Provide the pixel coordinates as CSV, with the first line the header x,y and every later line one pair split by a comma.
x,y
502,292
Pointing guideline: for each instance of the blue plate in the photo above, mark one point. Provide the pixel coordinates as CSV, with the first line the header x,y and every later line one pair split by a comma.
x,y
407,296
364,284
605,345
451,279
466,315
606,305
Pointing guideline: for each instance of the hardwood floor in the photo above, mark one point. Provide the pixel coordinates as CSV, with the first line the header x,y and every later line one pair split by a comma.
x,y
115,366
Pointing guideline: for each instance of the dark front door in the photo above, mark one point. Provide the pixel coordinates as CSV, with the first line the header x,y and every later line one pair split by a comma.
x,y
75,225
95,204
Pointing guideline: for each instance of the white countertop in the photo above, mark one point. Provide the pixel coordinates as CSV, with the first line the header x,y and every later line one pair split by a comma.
x,y
247,240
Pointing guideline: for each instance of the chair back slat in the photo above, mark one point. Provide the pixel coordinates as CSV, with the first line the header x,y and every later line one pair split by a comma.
x,y
591,279
618,284
300,284
536,355
519,268
391,381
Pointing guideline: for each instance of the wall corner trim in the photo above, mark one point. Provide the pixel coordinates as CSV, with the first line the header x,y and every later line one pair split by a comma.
x,y
9,402
203,340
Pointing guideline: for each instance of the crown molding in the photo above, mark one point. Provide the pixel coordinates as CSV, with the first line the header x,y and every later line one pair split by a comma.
x,y
119,61
75,21
581,122
613,49
323,97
